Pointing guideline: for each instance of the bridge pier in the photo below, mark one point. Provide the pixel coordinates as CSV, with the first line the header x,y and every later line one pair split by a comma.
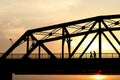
x,y
5,76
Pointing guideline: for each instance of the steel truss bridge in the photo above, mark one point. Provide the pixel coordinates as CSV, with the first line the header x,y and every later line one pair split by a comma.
x,y
69,58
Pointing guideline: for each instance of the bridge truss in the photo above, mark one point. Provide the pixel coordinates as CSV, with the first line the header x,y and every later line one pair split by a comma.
x,y
66,33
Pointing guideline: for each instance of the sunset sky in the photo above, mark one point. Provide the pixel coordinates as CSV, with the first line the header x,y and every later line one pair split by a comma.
x,y
17,16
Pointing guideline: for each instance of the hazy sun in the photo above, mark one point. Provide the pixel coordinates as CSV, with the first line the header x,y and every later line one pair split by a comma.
x,y
98,77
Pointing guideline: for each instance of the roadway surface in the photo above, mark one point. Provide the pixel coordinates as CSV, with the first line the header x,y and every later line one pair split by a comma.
x,y
61,66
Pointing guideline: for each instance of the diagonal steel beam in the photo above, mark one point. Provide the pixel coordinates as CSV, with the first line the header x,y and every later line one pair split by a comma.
x,y
111,43
33,37
88,46
48,51
33,48
82,40
30,51
111,33
23,37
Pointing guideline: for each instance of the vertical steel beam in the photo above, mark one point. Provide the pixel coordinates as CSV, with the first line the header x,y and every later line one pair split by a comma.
x,y
69,46
68,42
39,52
27,48
100,40
63,42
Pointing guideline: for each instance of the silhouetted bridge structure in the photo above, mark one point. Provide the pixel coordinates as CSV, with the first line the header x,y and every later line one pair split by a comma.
x,y
77,59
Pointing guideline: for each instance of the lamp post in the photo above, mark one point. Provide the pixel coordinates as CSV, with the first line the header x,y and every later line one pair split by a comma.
x,y
11,45
11,41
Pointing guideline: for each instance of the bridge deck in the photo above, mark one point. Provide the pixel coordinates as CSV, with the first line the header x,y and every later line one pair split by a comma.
x,y
61,66
58,55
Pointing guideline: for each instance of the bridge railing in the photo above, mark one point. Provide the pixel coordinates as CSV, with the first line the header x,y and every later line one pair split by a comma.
x,y
58,55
